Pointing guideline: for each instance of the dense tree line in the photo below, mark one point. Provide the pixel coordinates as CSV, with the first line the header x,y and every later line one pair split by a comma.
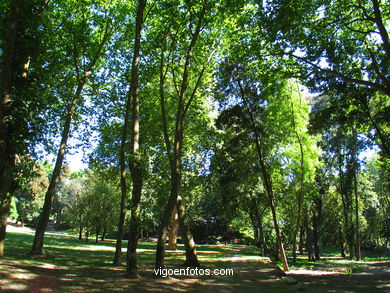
x,y
246,120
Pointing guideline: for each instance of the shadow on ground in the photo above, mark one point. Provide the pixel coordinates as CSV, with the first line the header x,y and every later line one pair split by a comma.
x,y
72,266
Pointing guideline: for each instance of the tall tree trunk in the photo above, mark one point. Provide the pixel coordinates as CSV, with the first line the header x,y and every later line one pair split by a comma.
x,y
172,244
341,241
354,158
262,237
300,192
175,153
7,147
135,160
122,159
37,247
317,215
266,180
80,232
188,240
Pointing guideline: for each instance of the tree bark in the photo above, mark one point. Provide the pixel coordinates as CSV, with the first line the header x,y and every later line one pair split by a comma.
x,y
266,180
135,160
188,240
354,158
301,239
341,241
172,244
309,237
7,147
300,193
317,215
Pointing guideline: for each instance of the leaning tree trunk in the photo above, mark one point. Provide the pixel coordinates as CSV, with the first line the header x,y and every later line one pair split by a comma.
x,y
135,160
266,180
37,247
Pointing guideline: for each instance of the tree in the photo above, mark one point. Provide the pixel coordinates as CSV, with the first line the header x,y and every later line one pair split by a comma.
x,y
319,35
197,21
20,30
84,60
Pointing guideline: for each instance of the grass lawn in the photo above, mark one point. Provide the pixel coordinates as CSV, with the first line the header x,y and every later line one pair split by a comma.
x,y
73,266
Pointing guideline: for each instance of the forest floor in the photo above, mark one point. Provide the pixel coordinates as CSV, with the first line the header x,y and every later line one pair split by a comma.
x,y
73,266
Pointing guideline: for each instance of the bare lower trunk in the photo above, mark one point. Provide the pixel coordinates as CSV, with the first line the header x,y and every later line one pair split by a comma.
x,y
4,210
163,228
172,244
266,180
355,185
7,147
118,245
135,225
188,240
37,247
301,239
341,241
309,237
80,232
97,235
135,159
103,235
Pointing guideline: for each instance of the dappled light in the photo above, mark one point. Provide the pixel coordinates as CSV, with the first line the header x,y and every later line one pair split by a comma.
x,y
194,146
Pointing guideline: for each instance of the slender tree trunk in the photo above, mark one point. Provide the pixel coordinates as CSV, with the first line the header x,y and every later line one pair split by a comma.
x,y
87,236
135,160
316,228
266,181
172,244
262,237
300,192
309,237
301,239
122,214
341,241
188,240
163,228
37,247
97,234
354,157
80,232
175,152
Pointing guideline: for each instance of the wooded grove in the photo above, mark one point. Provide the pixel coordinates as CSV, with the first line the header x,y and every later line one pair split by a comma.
x,y
260,123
